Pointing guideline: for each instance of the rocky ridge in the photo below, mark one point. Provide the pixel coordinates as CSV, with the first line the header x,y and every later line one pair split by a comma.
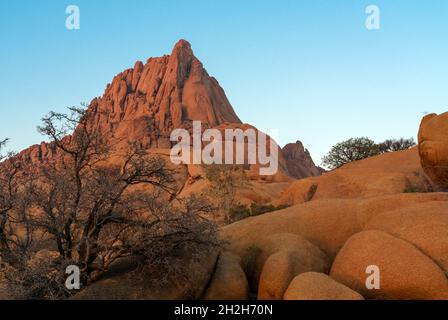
x,y
145,103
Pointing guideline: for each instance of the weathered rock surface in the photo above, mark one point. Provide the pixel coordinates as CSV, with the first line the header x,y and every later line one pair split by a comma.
x,y
150,100
299,162
281,267
229,281
387,174
273,259
433,148
318,286
325,223
425,225
145,103
405,272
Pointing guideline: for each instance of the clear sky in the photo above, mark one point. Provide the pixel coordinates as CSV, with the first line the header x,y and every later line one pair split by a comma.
x,y
309,68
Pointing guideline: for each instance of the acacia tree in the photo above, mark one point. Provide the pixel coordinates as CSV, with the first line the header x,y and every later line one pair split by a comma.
x,y
89,211
350,150
360,148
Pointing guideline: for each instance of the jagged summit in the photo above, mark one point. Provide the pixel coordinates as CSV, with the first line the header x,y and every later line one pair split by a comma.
x,y
146,102
183,44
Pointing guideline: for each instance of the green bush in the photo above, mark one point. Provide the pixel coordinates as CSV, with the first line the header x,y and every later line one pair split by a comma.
x,y
360,148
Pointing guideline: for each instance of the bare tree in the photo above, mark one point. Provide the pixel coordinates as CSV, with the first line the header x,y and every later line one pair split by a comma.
x,y
169,233
89,211
9,188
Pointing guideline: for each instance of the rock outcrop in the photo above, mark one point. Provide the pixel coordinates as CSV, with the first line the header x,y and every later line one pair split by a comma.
x,y
145,103
389,173
361,214
433,148
415,221
299,162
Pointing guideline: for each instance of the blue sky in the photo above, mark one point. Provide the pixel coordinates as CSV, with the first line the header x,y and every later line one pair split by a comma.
x,y
308,68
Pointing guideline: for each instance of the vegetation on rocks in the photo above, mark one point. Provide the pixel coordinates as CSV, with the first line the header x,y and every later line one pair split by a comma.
x,y
224,181
355,149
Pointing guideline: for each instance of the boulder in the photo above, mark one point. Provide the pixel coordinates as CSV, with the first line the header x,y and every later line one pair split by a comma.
x,y
425,225
293,252
318,286
433,148
326,223
229,281
281,267
405,272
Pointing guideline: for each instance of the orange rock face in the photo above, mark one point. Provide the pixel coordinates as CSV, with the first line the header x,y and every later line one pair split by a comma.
x,y
145,103
288,256
433,148
299,162
412,227
405,272
364,209
389,173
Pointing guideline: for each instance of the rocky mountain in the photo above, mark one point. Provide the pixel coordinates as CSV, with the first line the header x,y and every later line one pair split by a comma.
x,y
145,103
